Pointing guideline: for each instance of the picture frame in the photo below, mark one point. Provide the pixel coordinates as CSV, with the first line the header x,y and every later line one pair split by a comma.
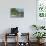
x,y
17,12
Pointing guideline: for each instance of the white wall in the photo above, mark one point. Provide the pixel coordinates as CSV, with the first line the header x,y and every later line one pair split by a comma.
x,y
23,23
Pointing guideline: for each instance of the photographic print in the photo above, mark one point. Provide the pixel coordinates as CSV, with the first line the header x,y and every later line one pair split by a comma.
x,y
17,12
